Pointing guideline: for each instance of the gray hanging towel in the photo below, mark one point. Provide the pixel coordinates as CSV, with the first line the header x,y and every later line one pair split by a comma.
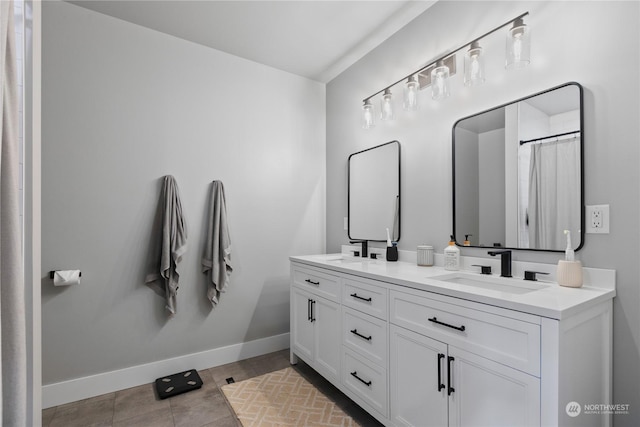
x,y
169,236
217,252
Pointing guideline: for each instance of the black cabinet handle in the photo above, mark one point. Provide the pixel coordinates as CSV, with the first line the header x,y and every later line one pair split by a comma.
x,y
359,297
312,282
308,309
451,389
355,374
458,328
440,385
355,332
313,314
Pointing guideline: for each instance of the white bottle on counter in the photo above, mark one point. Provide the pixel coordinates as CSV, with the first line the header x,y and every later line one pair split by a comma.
x,y
452,256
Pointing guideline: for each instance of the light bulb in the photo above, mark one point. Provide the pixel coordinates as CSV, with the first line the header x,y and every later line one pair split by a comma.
x,y
517,47
411,94
386,106
440,81
368,115
474,65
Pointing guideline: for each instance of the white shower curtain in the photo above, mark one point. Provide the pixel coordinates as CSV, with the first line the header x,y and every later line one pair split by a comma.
x,y
12,300
554,193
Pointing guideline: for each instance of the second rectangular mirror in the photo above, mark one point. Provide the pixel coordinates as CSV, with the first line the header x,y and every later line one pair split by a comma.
x,y
517,173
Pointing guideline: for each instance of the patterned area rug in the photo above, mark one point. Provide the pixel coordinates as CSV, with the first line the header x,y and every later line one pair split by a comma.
x,y
283,398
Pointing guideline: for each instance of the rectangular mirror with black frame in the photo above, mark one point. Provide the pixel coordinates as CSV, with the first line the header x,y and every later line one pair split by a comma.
x,y
374,193
518,173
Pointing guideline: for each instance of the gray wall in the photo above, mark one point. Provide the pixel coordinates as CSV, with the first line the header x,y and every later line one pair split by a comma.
x,y
123,106
593,43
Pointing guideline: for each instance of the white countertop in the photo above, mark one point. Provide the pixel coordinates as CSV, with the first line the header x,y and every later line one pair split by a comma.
x,y
552,301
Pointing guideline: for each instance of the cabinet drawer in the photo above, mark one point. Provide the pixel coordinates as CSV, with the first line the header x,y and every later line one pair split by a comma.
x,y
505,340
367,381
365,335
365,297
322,284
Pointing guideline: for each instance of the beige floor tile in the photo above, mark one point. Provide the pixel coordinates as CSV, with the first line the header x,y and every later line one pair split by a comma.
x,y
158,418
270,362
93,412
230,421
47,416
191,410
137,401
240,371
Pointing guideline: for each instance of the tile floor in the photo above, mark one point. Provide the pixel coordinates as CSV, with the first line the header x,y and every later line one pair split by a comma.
x,y
206,407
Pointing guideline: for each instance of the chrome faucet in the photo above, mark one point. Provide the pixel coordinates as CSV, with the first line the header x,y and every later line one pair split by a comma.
x,y
365,247
505,262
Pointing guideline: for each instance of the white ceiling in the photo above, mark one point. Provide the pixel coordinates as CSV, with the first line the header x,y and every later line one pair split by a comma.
x,y
314,39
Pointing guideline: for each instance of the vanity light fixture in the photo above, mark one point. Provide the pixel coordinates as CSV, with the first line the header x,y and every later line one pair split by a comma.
x,y
438,72
474,65
518,45
411,88
386,105
440,81
368,114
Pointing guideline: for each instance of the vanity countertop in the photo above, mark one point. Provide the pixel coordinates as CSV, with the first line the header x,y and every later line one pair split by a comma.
x,y
552,301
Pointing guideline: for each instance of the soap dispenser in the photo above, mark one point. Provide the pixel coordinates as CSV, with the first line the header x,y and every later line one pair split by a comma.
x,y
569,272
452,256
467,242
392,249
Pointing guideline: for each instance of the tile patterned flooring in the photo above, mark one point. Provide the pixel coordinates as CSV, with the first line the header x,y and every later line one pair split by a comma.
x,y
206,407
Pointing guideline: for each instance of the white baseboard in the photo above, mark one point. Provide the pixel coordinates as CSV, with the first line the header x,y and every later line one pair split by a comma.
x,y
108,382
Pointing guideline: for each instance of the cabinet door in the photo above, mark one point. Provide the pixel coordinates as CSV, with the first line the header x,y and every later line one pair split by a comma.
x,y
487,393
302,330
418,376
328,338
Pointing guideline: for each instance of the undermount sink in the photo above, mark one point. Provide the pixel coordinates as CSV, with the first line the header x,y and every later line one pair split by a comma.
x,y
500,284
346,259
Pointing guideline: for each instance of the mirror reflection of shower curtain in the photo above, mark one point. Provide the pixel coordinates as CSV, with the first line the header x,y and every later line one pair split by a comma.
x,y
554,195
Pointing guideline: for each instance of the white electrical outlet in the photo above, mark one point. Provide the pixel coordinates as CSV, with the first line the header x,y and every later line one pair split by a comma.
x,y
346,223
597,219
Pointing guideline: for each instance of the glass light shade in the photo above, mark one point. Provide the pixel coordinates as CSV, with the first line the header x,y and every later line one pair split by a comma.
x,y
518,46
440,81
474,65
368,115
411,94
386,106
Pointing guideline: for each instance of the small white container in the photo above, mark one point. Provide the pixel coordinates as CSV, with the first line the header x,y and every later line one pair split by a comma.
x,y
425,255
569,273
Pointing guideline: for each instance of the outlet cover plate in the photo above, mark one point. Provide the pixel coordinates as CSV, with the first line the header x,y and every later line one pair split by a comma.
x,y
597,219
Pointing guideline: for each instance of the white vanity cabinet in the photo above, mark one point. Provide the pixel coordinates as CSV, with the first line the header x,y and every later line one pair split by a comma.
x,y
438,376
413,351
365,344
315,321
418,380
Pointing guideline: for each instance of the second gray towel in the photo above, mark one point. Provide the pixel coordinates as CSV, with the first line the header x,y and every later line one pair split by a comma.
x,y
217,252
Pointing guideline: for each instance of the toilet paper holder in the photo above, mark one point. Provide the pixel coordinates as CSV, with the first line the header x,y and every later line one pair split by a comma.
x,y
52,274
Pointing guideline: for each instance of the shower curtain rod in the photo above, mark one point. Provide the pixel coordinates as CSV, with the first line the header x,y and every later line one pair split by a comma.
x,y
547,137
